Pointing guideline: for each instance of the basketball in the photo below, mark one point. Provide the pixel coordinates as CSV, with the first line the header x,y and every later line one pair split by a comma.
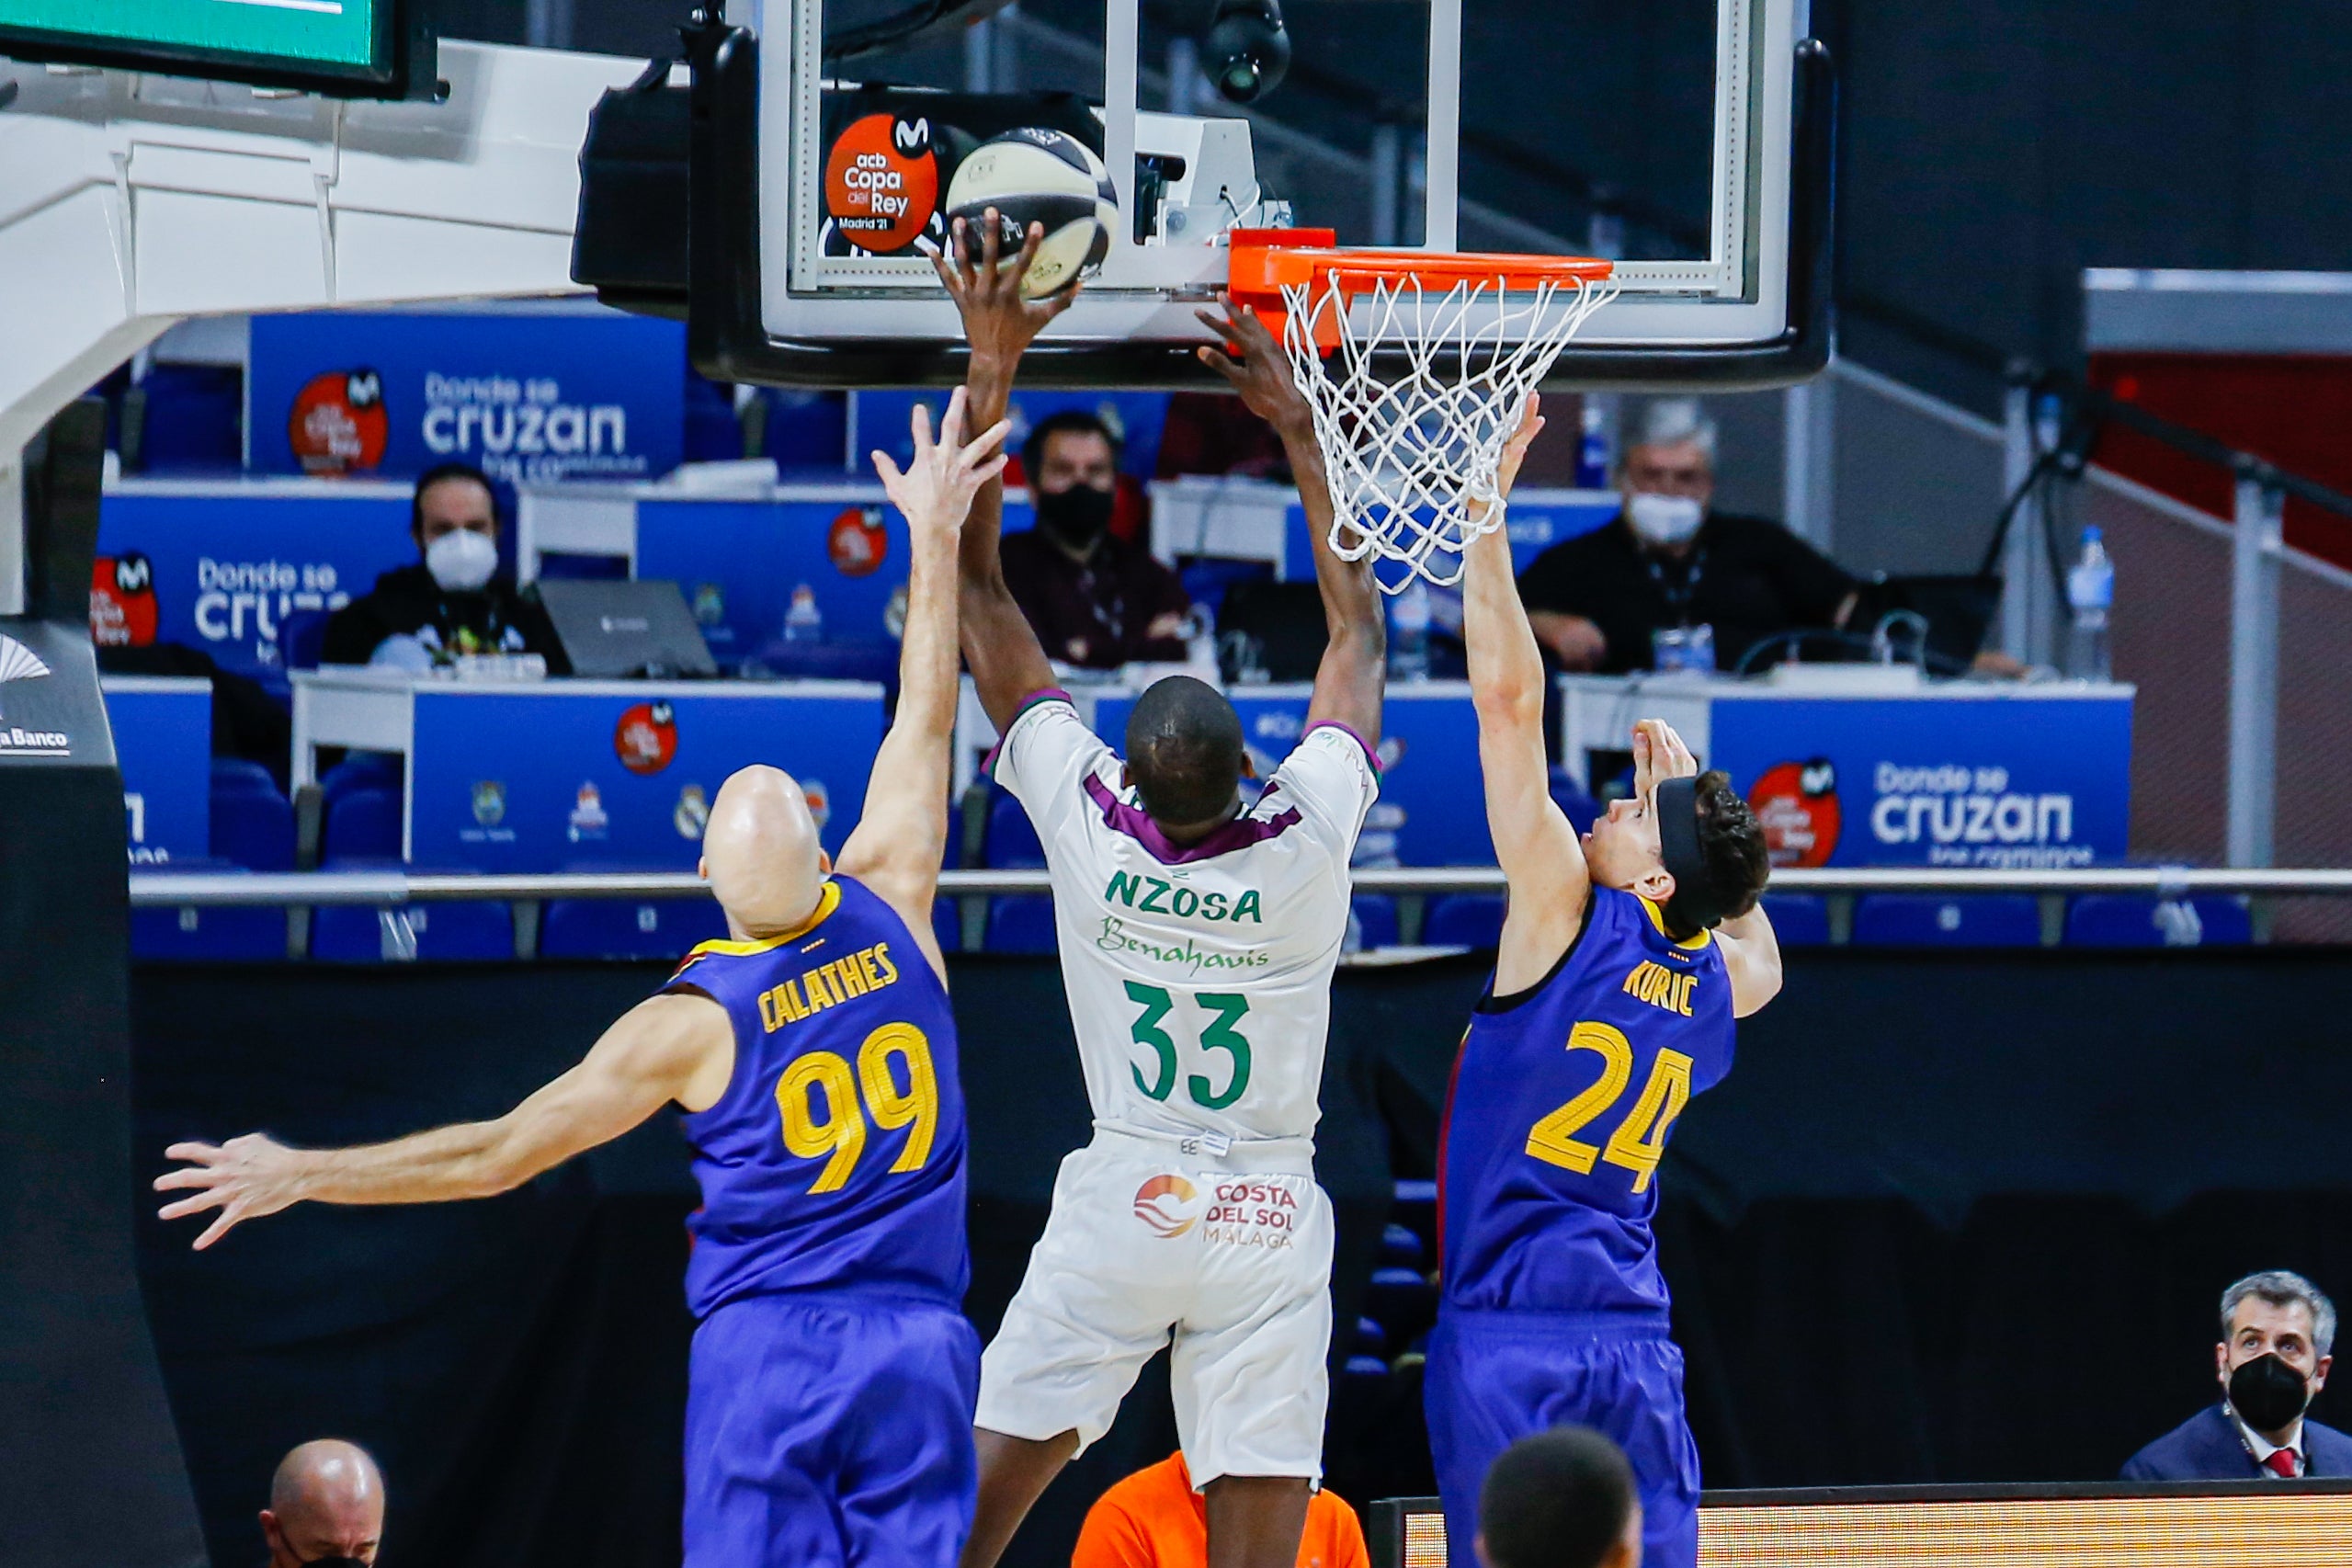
x,y
1035,176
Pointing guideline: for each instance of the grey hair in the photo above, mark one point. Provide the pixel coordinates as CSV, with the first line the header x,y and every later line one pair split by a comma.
x,y
2281,1288
1670,421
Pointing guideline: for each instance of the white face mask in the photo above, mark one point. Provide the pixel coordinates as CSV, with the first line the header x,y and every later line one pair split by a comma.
x,y
1663,520
462,560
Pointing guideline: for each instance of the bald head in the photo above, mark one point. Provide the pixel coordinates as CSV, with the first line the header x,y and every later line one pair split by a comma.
x,y
760,852
327,1501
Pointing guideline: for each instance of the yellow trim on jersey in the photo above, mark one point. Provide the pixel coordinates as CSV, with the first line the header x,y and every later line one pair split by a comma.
x,y
1657,917
827,902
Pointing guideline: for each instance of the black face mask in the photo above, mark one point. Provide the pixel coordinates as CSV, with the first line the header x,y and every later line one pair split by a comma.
x,y
334,1562
2267,1393
1078,514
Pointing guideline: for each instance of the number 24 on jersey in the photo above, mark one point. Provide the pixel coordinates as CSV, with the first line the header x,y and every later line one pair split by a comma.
x,y
1639,1138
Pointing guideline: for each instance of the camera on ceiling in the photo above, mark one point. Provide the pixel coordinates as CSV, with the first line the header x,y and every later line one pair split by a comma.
x,y
1246,51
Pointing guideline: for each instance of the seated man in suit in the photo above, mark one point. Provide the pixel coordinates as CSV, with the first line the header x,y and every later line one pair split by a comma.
x,y
2277,1331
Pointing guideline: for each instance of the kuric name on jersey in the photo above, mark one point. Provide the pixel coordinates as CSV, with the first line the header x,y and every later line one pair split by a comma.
x,y
1661,987
827,985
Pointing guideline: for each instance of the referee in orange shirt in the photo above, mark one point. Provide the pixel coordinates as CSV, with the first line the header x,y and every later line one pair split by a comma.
x,y
1154,1520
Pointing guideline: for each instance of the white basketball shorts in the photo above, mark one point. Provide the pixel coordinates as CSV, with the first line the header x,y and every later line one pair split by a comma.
x,y
1146,1242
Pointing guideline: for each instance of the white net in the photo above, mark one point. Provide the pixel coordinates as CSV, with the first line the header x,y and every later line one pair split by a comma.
x,y
1412,456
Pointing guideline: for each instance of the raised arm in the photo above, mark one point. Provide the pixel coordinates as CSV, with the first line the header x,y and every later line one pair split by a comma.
x,y
1006,660
1542,863
898,843
1354,672
667,1048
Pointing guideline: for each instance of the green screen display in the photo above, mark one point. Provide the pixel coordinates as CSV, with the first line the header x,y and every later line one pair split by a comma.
x,y
337,37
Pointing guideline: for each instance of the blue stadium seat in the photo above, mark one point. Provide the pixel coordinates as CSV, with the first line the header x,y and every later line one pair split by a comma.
x,y
1581,810
1935,920
362,824
1404,1300
253,934
1400,1247
1462,920
252,826
231,773
1012,842
1371,922
2112,920
1367,1368
628,928
440,932
300,636
195,418
1020,923
952,859
1371,1339
946,924
1799,919
361,771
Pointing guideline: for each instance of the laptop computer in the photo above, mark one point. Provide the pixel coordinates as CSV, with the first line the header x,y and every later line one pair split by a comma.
x,y
620,630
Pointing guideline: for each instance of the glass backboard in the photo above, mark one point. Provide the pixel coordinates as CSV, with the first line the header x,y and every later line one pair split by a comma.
x,y
1679,138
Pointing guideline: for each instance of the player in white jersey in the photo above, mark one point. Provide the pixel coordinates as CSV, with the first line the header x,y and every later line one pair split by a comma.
x,y
1198,936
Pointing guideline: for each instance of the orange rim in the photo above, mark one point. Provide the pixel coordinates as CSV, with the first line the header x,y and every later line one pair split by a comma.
x,y
1266,261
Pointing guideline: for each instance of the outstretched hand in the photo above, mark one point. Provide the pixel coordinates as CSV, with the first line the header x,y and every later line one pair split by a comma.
x,y
1515,450
1659,754
1257,368
937,489
245,1178
997,321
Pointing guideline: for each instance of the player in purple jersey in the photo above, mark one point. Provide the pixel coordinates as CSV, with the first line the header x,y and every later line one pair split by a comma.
x,y
833,1377
1623,962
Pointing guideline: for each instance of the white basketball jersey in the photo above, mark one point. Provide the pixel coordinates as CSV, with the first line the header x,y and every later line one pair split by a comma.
x,y
1198,975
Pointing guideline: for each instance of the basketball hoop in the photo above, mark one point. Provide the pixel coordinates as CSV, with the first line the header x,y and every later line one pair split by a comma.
x,y
1417,366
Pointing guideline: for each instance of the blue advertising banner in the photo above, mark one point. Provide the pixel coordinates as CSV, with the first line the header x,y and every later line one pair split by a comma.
x,y
528,396
739,563
163,742
2022,781
882,419
580,774
1430,812
219,565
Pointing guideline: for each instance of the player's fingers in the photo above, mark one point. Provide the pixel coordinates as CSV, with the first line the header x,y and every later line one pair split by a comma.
x,y
1060,302
188,1175
977,450
1220,362
219,1227
197,1204
1028,254
921,424
892,477
1219,324
991,243
952,423
201,1154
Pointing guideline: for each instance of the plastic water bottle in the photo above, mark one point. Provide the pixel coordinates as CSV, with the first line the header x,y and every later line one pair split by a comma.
x,y
1409,634
2090,593
1592,449
804,622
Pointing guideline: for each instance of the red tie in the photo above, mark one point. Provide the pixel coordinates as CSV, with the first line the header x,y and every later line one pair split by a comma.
x,y
2281,1462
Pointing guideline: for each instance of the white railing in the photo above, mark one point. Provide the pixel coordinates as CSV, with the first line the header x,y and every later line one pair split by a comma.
x,y
168,889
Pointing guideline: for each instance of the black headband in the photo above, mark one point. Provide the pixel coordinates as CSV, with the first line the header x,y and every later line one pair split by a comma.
x,y
1691,908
